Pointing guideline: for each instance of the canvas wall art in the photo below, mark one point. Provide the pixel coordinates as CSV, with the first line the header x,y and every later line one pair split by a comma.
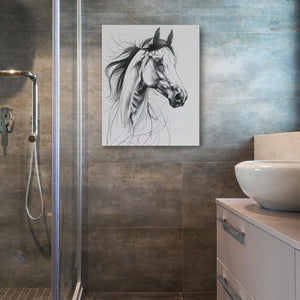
x,y
150,85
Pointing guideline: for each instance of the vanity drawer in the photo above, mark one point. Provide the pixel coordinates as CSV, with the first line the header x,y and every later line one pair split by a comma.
x,y
228,287
233,245
263,264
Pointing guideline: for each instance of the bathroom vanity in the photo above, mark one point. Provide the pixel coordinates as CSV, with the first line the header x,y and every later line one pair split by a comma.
x,y
258,252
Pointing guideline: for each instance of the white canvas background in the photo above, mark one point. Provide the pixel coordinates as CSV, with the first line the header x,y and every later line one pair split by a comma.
x,y
185,120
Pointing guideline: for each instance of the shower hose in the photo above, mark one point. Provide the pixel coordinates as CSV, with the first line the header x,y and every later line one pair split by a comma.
x,y
34,161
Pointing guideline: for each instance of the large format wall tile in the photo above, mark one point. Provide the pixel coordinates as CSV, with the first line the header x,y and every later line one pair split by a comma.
x,y
98,154
39,277
249,65
229,124
12,207
26,16
199,257
25,251
154,6
241,16
134,260
236,6
94,20
249,85
236,120
136,296
281,146
199,296
25,44
202,184
232,22
25,51
219,153
135,195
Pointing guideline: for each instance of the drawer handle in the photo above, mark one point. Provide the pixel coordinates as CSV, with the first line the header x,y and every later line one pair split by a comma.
x,y
231,293
232,230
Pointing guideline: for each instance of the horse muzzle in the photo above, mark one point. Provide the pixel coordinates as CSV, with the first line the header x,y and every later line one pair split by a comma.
x,y
178,99
176,95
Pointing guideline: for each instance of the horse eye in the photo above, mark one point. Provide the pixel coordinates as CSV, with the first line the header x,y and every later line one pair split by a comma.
x,y
161,68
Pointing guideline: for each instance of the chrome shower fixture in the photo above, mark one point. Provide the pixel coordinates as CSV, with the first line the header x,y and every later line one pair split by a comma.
x,y
17,73
33,137
35,110
6,120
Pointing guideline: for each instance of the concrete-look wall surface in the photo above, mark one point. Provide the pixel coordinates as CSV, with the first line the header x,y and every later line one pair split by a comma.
x,y
25,247
149,212
280,146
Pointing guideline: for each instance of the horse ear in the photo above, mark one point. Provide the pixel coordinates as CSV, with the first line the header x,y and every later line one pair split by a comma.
x,y
170,37
156,35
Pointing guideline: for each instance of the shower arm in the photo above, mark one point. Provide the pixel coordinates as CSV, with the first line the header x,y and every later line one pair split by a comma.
x,y
35,105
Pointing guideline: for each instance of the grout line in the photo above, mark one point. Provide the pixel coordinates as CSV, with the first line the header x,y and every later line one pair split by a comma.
x,y
154,293
137,227
92,31
19,295
27,296
200,292
133,293
25,293
166,163
6,293
156,227
210,162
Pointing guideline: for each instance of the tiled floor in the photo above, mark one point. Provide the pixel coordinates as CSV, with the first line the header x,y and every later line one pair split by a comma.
x,y
25,293
150,296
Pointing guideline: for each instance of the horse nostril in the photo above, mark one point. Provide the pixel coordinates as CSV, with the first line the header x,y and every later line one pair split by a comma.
x,y
179,97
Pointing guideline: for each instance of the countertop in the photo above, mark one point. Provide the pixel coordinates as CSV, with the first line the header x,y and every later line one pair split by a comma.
x,y
283,225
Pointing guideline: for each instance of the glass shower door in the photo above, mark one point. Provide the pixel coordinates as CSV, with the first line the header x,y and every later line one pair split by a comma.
x,y
25,244
69,155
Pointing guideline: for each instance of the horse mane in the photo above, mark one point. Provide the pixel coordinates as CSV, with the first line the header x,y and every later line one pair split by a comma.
x,y
116,70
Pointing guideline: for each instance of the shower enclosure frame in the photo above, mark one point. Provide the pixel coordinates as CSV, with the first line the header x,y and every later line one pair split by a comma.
x,y
55,147
55,255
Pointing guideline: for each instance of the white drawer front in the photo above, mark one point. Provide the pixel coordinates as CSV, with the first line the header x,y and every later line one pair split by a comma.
x,y
228,287
297,255
274,267
232,251
262,263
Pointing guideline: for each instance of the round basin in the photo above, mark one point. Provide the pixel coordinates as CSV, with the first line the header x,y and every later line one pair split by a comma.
x,y
272,184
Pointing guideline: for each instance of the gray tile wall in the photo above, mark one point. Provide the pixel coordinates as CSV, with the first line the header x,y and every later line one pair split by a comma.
x,y
149,212
25,31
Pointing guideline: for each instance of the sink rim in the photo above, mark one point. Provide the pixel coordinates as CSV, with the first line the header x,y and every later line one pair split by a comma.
x,y
272,161
268,164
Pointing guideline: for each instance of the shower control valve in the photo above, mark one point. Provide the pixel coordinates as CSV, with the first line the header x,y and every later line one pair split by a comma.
x,y
6,119
32,138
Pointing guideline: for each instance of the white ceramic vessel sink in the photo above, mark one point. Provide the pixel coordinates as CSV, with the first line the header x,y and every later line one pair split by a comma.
x,y
272,184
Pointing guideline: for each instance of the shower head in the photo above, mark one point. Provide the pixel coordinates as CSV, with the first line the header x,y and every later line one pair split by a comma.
x,y
17,73
35,105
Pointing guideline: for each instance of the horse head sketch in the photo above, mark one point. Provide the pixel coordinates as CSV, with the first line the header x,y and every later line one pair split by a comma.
x,y
152,65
